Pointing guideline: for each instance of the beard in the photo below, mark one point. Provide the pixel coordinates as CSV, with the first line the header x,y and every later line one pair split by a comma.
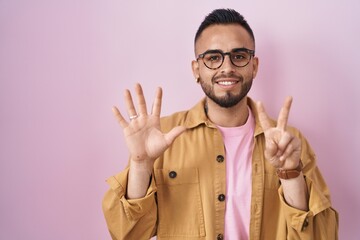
x,y
229,99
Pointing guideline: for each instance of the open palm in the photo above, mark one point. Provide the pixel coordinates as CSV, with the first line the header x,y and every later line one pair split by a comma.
x,y
143,136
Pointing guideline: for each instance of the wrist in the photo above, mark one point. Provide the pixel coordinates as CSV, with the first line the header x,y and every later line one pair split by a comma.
x,y
138,180
143,167
290,173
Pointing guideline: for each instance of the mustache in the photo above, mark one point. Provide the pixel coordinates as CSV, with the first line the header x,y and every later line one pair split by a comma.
x,y
231,75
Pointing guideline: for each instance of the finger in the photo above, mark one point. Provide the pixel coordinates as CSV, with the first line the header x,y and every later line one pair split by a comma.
x,y
284,114
141,100
271,149
290,149
174,133
156,109
263,117
129,103
123,123
284,141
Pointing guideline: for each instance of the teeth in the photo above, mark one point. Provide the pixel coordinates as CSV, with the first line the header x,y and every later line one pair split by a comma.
x,y
226,83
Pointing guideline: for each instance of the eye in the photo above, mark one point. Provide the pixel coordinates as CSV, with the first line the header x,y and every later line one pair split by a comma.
x,y
239,56
213,57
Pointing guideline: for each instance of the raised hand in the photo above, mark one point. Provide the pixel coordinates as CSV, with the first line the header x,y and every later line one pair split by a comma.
x,y
143,136
282,149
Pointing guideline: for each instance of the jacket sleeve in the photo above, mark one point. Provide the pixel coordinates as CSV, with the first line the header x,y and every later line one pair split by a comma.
x,y
129,219
321,221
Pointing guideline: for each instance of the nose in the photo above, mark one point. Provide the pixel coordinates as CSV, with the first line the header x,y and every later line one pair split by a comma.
x,y
227,65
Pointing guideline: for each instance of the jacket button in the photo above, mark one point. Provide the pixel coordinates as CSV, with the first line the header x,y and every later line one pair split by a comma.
x,y
221,197
220,158
220,237
305,224
172,174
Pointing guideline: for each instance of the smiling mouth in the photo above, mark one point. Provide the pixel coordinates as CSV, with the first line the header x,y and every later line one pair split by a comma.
x,y
227,83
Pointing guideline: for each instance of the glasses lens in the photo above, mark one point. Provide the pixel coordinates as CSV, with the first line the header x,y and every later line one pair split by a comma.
x,y
240,58
213,60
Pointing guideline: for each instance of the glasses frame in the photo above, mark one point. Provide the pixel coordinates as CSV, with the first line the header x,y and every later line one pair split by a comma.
x,y
223,54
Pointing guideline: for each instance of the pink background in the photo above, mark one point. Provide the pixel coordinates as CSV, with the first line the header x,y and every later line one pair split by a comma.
x,y
64,64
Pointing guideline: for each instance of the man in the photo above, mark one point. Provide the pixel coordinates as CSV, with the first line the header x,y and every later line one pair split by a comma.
x,y
223,169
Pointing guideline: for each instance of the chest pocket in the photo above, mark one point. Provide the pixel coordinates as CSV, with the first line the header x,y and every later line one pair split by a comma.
x,y
180,212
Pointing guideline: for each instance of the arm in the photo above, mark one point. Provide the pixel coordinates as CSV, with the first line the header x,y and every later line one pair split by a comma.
x,y
282,150
129,218
138,179
130,206
296,192
305,200
320,221
144,139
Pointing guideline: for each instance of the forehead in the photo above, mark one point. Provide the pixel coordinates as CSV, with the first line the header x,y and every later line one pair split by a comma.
x,y
224,37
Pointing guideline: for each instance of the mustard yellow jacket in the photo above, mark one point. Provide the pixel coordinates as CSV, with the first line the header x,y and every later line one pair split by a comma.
x,y
186,205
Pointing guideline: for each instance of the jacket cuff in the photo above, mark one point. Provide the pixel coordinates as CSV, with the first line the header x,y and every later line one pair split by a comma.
x,y
133,208
301,221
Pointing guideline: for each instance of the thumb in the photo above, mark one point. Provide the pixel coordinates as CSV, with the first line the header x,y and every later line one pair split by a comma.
x,y
174,133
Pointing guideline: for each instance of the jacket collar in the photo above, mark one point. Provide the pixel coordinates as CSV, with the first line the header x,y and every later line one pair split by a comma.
x,y
197,116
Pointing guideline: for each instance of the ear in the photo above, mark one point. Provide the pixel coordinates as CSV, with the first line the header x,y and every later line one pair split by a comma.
x,y
195,69
255,66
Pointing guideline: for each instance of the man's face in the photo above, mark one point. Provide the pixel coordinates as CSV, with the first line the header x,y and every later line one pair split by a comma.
x,y
229,84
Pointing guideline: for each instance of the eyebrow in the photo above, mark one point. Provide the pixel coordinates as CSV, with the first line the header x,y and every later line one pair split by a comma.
x,y
242,49
213,51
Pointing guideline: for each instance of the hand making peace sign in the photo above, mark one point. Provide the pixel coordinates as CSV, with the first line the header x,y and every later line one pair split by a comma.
x,y
143,136
282,148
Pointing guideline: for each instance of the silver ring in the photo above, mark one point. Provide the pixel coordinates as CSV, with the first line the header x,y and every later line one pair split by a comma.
x,y
133,117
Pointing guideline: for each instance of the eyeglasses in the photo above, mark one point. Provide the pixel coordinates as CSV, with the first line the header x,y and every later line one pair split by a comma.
x,y
214,59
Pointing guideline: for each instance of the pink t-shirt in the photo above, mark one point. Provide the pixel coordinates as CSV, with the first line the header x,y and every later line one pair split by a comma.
x,y
239,142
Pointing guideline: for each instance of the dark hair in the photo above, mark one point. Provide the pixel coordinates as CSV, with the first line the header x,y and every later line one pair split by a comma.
x,y
224,16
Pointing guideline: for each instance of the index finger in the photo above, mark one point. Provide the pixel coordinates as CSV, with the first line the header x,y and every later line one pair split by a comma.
x,y
263,117
284,114
156,109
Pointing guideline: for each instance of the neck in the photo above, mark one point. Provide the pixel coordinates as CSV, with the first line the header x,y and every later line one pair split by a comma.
x,y
228,117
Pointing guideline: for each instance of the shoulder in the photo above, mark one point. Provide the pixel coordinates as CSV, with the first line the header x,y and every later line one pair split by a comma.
x,y
175,119
189,118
